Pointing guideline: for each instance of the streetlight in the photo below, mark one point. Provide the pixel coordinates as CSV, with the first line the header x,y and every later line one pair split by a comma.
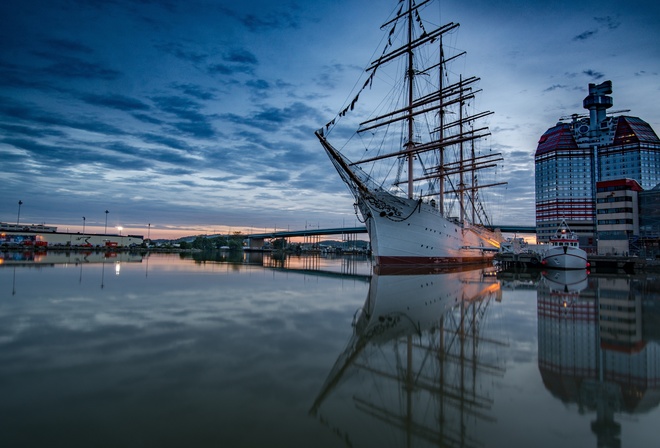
x,y
149,232
105,231
18,218
120,228
83,225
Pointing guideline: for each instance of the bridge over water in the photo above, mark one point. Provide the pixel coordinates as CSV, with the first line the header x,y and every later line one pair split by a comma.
x,y
257,239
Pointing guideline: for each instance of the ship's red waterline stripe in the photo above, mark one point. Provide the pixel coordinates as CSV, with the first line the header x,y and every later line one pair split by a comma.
x,y
434,261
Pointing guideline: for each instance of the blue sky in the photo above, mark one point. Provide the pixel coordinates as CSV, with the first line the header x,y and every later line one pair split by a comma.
x,y
198,116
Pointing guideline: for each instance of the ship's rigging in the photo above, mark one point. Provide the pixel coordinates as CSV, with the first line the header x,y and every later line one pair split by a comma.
x,y
416,183
435,155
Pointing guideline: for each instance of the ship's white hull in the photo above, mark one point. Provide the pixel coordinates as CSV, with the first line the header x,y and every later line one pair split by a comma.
x,y
405,231
565,257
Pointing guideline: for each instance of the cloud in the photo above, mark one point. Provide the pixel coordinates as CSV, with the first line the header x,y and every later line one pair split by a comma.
x,y
194,90
223,69
76,68
241,57
293,112
176,171
272,21
44,156
585,35
604,23
234,62
278,176
115,101
331,74
179,106
609,22
593,74
30,131
164,140
271,118
64,66
228,179
14,76
555,87
194,123
258,84
177,50
199,129
147,119
60,45
32,115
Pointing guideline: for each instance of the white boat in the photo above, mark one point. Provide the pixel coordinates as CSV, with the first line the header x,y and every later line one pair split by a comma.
x,y
434,154
564,251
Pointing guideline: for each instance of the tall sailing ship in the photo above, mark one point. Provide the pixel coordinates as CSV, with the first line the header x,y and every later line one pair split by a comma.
x,y
416,185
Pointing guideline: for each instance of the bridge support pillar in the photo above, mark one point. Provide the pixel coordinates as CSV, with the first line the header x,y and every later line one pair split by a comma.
x,y
256,243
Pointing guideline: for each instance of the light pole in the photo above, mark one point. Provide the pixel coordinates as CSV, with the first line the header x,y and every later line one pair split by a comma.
x,y
18,218
149,232
83,225
105,231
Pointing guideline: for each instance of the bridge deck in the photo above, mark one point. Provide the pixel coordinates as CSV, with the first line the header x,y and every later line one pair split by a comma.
x,y
362,229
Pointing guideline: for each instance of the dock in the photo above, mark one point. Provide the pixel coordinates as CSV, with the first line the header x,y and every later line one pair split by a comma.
x,y
628,264
532,260
510,260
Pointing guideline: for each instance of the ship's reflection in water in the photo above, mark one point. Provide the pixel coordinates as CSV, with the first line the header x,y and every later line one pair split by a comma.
x,y
598,346
418,361
427,362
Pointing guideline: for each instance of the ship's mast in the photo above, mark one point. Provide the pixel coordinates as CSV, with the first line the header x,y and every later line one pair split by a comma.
x,y
441,136
473,190
454,134
461,169
410,119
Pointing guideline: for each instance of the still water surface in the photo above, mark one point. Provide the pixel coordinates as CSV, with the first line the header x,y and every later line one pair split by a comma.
x,y
170,350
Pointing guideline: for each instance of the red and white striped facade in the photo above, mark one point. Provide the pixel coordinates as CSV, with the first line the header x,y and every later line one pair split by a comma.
x,y
571,157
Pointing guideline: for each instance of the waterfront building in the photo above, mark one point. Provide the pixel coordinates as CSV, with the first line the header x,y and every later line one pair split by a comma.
x,y
51,239
572,156
6,227
617,216
649,222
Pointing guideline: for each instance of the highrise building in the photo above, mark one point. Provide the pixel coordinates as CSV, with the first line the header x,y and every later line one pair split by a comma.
x,y
575,154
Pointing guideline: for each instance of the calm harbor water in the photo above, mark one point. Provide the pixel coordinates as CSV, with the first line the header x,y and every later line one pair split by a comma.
x,y
246,350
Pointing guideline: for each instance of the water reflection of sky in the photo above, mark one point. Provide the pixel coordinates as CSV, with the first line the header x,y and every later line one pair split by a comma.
x,y
166,351
188,352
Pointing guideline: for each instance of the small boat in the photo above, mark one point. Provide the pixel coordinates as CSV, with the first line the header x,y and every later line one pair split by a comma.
x,y
564,251
413,166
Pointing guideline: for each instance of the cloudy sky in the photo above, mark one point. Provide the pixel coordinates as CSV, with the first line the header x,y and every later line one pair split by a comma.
x,y
197,116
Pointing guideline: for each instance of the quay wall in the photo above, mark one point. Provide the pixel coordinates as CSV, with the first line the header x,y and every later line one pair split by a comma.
x,y
532,260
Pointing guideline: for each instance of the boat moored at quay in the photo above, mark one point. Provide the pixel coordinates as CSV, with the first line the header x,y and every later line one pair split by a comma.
x,y
564,251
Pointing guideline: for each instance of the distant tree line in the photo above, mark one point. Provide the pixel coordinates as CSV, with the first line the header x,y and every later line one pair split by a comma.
x,y
233,242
